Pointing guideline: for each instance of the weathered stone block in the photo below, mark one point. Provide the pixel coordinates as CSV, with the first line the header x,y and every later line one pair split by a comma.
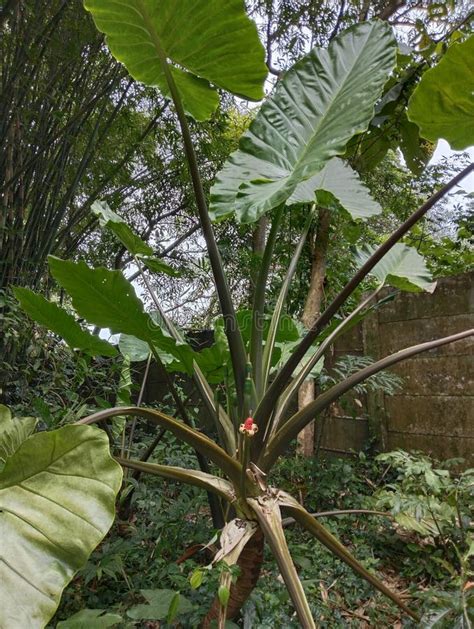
x,y
436,415
351,341
344,434
437,375
453,296
397,335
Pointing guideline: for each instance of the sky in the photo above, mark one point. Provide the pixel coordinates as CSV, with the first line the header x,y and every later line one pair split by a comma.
x,y
444,150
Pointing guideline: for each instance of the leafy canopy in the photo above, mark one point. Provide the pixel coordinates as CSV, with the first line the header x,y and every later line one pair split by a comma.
x,y
443,103
204,41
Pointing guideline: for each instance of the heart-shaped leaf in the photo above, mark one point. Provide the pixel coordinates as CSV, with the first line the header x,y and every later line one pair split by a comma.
x,y
158,605
105,298
57,501
205,40
338,178
90,619
13,431
319,105
442,105
402,267
62,323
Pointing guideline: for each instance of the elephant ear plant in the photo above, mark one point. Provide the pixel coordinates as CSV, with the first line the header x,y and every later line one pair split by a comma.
x,y
57,502
188,49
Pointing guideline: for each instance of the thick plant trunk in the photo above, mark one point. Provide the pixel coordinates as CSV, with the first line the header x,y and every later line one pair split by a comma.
x,y
311,311
250,564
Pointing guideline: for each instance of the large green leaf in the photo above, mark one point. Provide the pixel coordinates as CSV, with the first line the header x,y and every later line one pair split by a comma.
x,y
318,106
134,349
287,329
137,350
111,221
13,431
402,267
158,605
205,40
90,619
105,298
62,323
443,103
416,151
57,501
338,178
213,361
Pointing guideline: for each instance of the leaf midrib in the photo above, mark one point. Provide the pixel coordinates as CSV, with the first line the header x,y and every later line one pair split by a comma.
x,y
23,578
288,182
310,144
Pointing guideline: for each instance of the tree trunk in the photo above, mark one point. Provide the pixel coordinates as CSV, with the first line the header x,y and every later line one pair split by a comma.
x,y
250,564
259,235
311,311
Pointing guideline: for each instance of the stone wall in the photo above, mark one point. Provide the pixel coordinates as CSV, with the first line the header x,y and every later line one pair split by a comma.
x,y
434,411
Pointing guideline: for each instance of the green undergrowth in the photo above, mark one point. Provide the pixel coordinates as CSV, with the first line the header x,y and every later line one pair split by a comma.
x,y
168,541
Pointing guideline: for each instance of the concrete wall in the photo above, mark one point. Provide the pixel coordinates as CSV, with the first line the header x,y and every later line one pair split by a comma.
x,y
434,411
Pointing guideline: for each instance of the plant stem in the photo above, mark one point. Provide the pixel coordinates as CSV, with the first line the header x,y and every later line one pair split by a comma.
x,y
291,390
256,341
274,391
139,403
195,439
222,423
273,328
244,459
218,486
312,525
236,343
214,504
269,517
328,514
459,514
